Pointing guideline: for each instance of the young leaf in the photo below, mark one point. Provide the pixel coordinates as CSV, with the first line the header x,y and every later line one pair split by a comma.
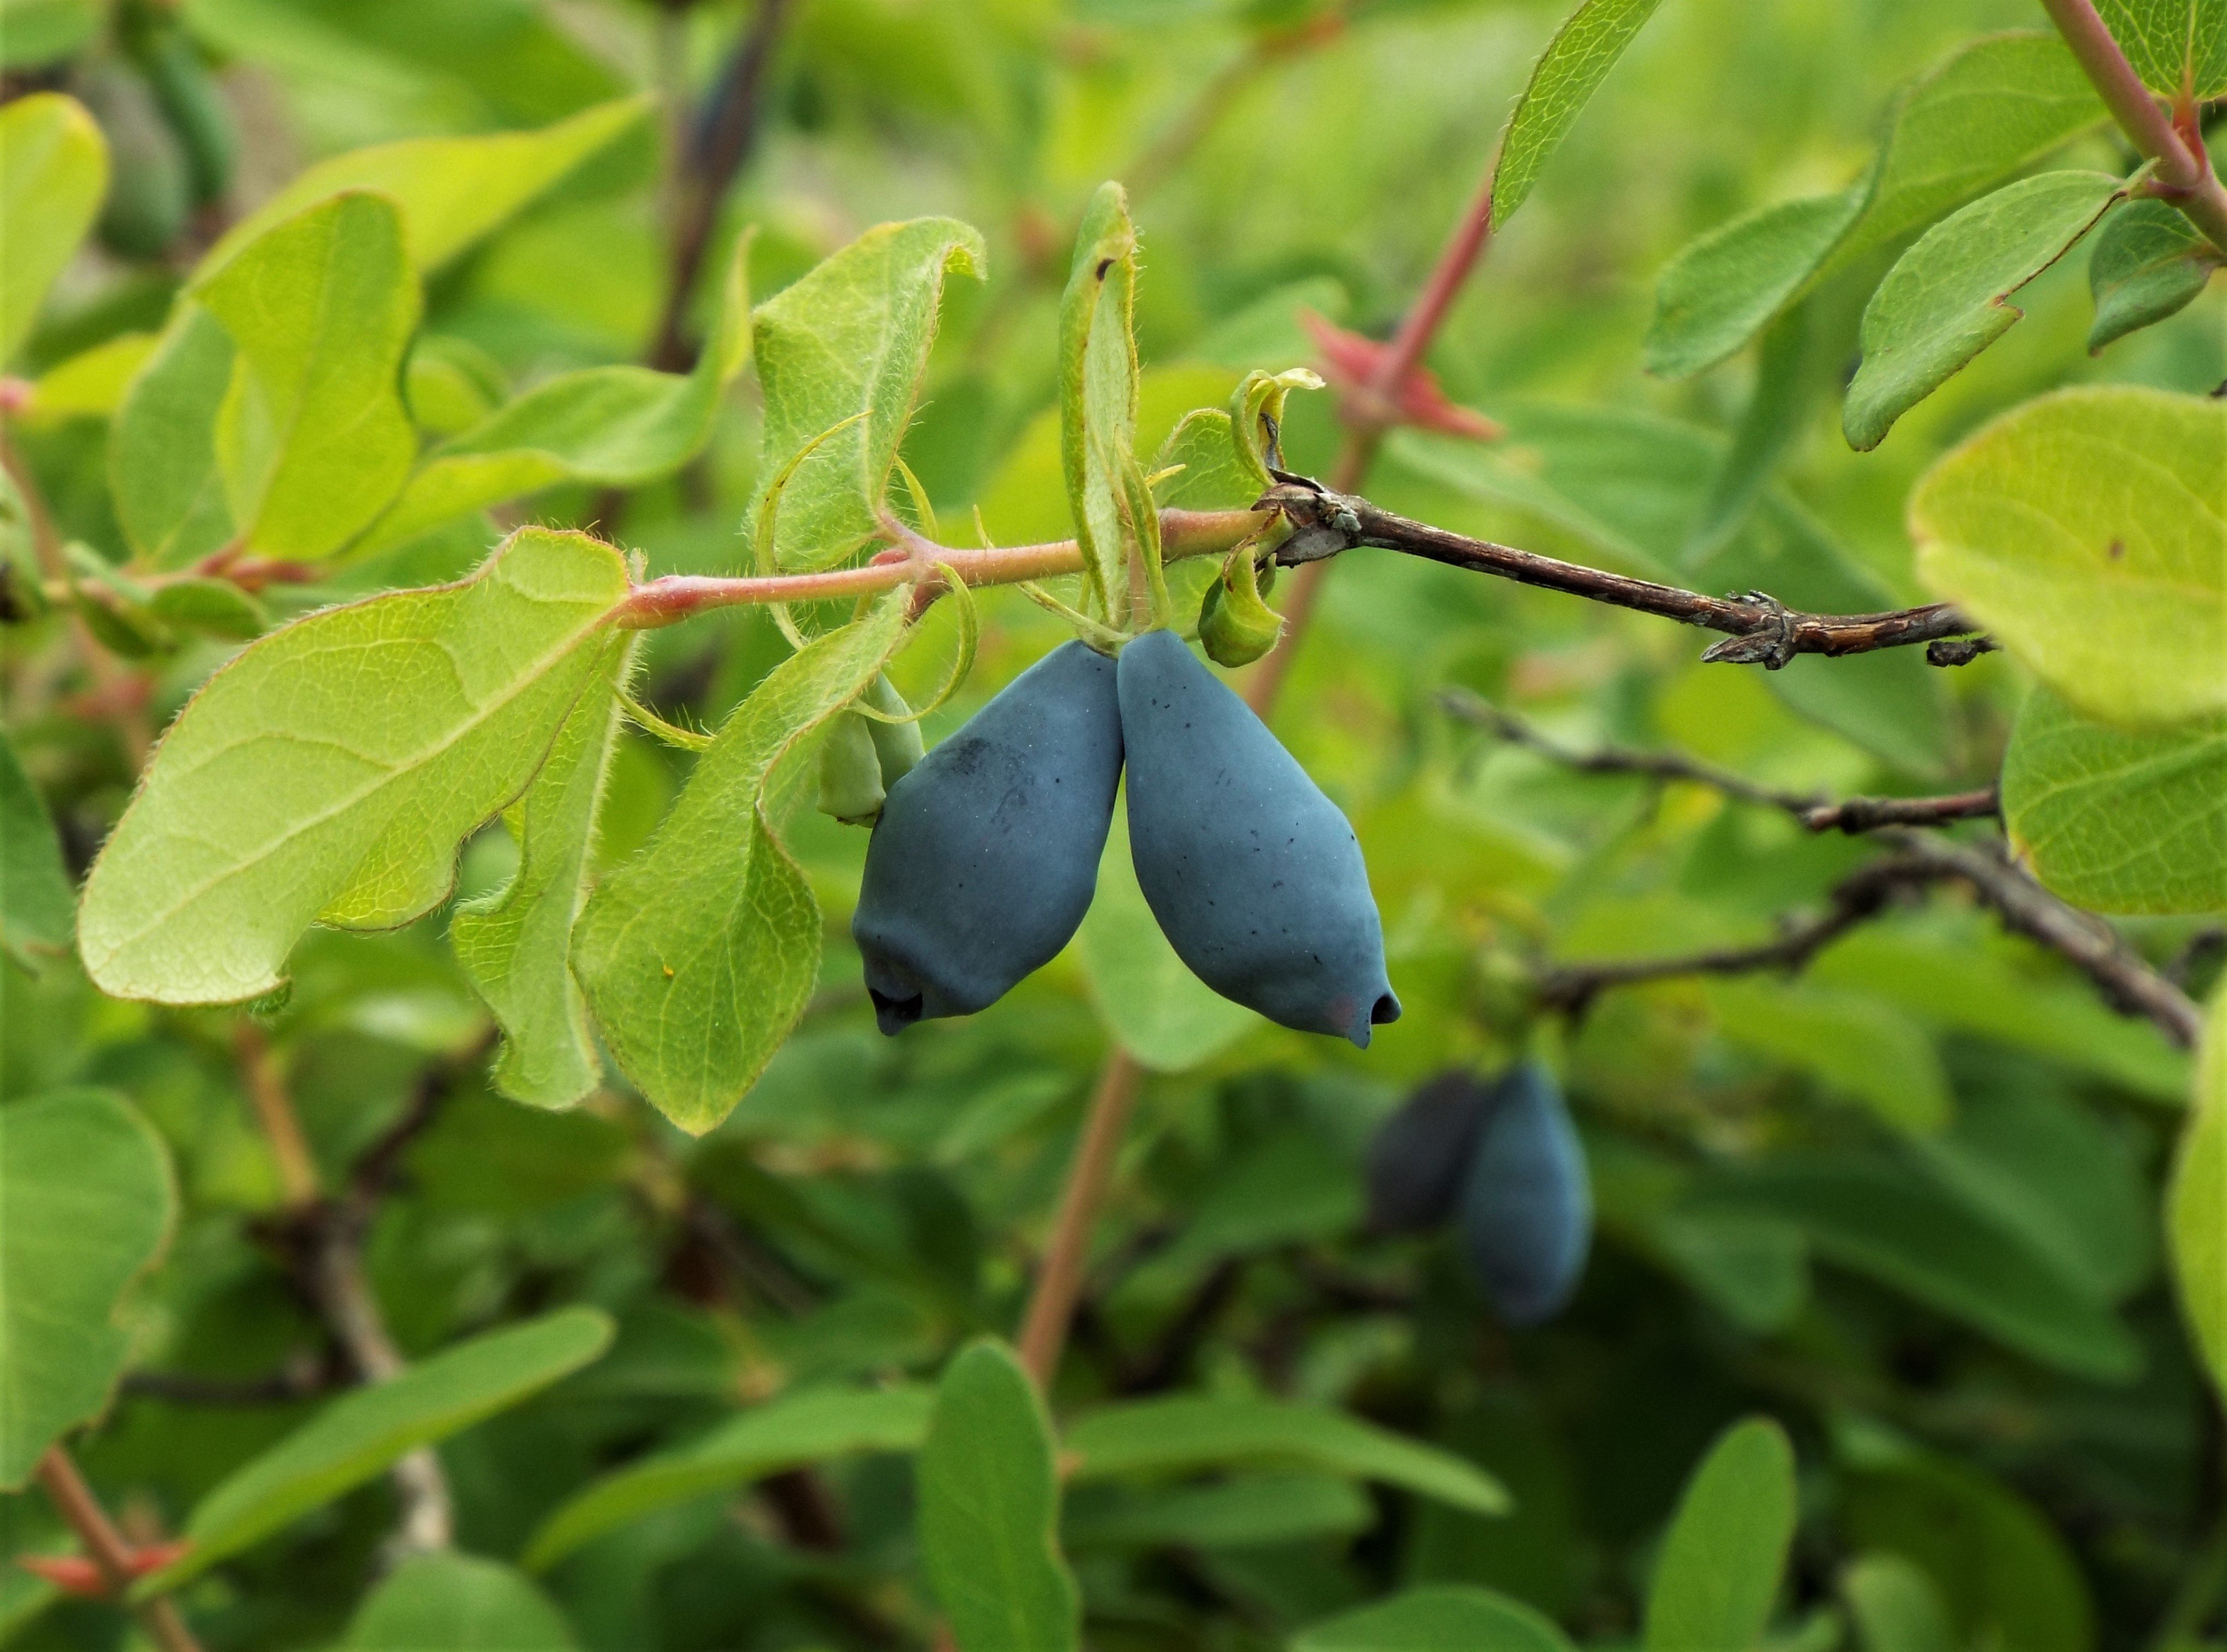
x,y
698,955
2084,529
38,908
162,451
1444,1617
2177,46
1098,391
1719,1571
1946,298
459,1602
1584,49
54,170
2197,1214
92,383
87,1203
617,426
1727,286
450,191
851,337
516,944
2149,262
1194,1432
815,1425
1896,1607
312,438
328,773
989,1510
360,1435
2119,820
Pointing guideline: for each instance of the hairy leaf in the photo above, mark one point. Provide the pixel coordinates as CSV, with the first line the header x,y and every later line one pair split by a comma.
x,y
38,908
2119,820
516,944
1719,1571
2149,262
362,1434
2177,46
2088,530
1440,1618
329,771
2197,1216
312,438
850,338
161,451
54,170
698,955
1584,49
1193,1432
1946,298
814,1425
459,1602
1098,390
87,1203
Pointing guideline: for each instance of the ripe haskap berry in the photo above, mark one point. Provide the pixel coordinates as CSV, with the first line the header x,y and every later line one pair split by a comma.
x,y
1527,1206
1255,877
1421,1152
986,853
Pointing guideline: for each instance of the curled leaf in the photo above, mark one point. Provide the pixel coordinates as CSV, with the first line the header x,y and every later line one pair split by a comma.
x,y
1235,626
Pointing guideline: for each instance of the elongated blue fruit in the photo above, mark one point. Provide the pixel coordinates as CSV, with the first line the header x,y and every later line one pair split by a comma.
x,y
1256,879
1526,1204
1421,1153
986,853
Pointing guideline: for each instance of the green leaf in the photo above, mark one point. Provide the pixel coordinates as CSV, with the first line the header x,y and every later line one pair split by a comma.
x,y
615,426
87,1203
1872,1216
34,33
1156,1009
1247,1512
516,944
161,452
851,337
92,383
2198,1216
700,954
2149,262
1584,49
362,1434
2087,531
989,1510
1852,1043
312,438
1098,391
1192,1432
1788,376
2119,820
1946,298
450,191
38,908
54,170
1896,1607
1443,1617
2177,46
458,1603
816,1425
328,772
1988,112
1719,1571
211,608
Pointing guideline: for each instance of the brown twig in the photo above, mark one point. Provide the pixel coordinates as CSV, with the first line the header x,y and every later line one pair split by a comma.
x,y
111,1556
259,1075
303,1377
1856,814
1059,1274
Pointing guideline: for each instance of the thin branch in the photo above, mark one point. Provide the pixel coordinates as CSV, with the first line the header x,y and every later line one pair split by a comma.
x,y
1857,814
303,1377
265,1084
111,1556
1059,1275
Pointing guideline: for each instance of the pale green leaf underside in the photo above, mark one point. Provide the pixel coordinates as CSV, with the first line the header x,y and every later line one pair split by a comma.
x,y
2197,1214
312,438
1441,1618
989,1510
86,1203
367,1430
515,945
329,771
161,451
1948,297
1719,1571
1098,388
2114,819
698,954
38,908
54,170
1191,1433
2149,262
850,337
2177,46
812,1426
1584,49
458,1603
2088,530
450,190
